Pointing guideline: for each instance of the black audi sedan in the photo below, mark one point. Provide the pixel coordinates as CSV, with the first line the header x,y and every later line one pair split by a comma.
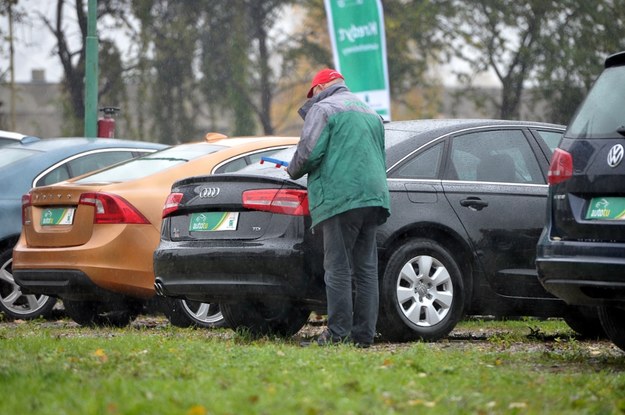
x,y
468,201
581,253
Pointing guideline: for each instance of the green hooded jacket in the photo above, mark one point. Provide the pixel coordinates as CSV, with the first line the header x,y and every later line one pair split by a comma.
x,y
341,148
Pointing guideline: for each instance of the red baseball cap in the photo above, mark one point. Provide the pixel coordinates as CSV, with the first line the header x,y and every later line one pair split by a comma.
x,y
322,77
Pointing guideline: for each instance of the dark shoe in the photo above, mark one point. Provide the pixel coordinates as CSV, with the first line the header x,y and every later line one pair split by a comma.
x,y
306,343
362,345
326,339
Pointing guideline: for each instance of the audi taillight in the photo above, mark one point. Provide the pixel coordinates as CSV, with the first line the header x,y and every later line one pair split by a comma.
x,y
172,203
111,208
26,203
561,167
284,201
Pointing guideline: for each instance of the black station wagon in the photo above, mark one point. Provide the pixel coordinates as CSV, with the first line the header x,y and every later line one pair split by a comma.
x,y
581,253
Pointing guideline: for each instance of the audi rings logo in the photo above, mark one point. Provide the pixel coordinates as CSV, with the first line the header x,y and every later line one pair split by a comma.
x,y
208,192
615,155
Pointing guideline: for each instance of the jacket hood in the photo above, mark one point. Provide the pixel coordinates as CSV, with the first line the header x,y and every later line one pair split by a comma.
x,y
338,87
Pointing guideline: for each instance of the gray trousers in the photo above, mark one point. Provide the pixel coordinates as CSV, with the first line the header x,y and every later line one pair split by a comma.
x,y
350,257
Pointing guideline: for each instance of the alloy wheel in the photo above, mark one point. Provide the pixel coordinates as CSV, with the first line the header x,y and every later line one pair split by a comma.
x,y
424,291
16,304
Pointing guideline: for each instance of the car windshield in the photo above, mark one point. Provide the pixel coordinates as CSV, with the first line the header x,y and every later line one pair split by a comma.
x,y
603,111
12,155
151,163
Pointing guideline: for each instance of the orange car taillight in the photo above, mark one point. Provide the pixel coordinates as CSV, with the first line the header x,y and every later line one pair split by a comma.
x,y
111,209
26,203
284,201
561,167
172,203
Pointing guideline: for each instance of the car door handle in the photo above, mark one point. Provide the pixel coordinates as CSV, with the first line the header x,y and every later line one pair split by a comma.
x,y
473,203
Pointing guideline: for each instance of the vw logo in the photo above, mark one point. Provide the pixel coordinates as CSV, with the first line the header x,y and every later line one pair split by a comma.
x,y
208,192
615,155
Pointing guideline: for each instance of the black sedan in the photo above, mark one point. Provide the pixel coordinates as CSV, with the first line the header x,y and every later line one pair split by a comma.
x,y
468,200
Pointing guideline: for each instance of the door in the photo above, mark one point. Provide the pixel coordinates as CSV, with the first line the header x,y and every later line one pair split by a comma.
x,y
495,186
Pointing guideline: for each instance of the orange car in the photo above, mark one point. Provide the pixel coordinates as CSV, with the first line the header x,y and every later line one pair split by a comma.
x,y
90,240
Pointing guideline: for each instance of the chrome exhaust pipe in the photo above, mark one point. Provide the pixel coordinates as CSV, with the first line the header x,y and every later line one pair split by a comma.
x,y
158,287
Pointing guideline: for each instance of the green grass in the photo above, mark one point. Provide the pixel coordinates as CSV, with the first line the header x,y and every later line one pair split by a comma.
x,y
524,367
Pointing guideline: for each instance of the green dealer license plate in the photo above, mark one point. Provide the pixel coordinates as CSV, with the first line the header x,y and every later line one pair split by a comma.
x,y
214,221
606,208
58,216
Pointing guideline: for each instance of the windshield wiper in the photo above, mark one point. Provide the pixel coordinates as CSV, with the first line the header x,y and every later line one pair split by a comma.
x,y
621,130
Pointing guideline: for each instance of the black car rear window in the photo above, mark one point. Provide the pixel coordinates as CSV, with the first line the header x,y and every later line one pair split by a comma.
x,y
603,110
394,137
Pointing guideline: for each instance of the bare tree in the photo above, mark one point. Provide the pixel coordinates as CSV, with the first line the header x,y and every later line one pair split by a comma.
x,y
543,44
72,58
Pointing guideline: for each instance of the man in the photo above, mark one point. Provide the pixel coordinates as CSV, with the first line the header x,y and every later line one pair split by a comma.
x,y
341,148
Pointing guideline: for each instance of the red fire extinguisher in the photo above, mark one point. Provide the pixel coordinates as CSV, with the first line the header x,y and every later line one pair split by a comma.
x,y
106,124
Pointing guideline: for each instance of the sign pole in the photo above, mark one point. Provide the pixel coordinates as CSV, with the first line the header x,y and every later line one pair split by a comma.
x,y
91,72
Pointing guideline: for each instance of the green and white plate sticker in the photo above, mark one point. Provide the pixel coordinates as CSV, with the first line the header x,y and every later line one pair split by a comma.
x,y
58,216
214,221
606,208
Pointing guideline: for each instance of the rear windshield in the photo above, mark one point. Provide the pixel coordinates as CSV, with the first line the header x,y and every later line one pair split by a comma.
x,y
151,163
603,110
391,137
394,137
12,155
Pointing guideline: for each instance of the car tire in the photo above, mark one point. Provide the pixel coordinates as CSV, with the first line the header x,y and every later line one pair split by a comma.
x,y
613,322
585,321
422,293
96,314
13,303
280,318
185,313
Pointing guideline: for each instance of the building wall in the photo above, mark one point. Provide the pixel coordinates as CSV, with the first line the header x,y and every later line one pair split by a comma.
x,y
38,107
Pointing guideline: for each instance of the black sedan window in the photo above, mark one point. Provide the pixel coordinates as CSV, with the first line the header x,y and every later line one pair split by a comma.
x,y
424,166
494,156
552,138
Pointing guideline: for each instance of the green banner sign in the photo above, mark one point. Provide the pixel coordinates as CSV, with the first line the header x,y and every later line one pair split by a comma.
x,y
359,48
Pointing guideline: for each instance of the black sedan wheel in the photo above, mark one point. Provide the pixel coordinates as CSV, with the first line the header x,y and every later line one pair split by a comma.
x,y
185,313
613,322
422,293
96,314
281,318
13,302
